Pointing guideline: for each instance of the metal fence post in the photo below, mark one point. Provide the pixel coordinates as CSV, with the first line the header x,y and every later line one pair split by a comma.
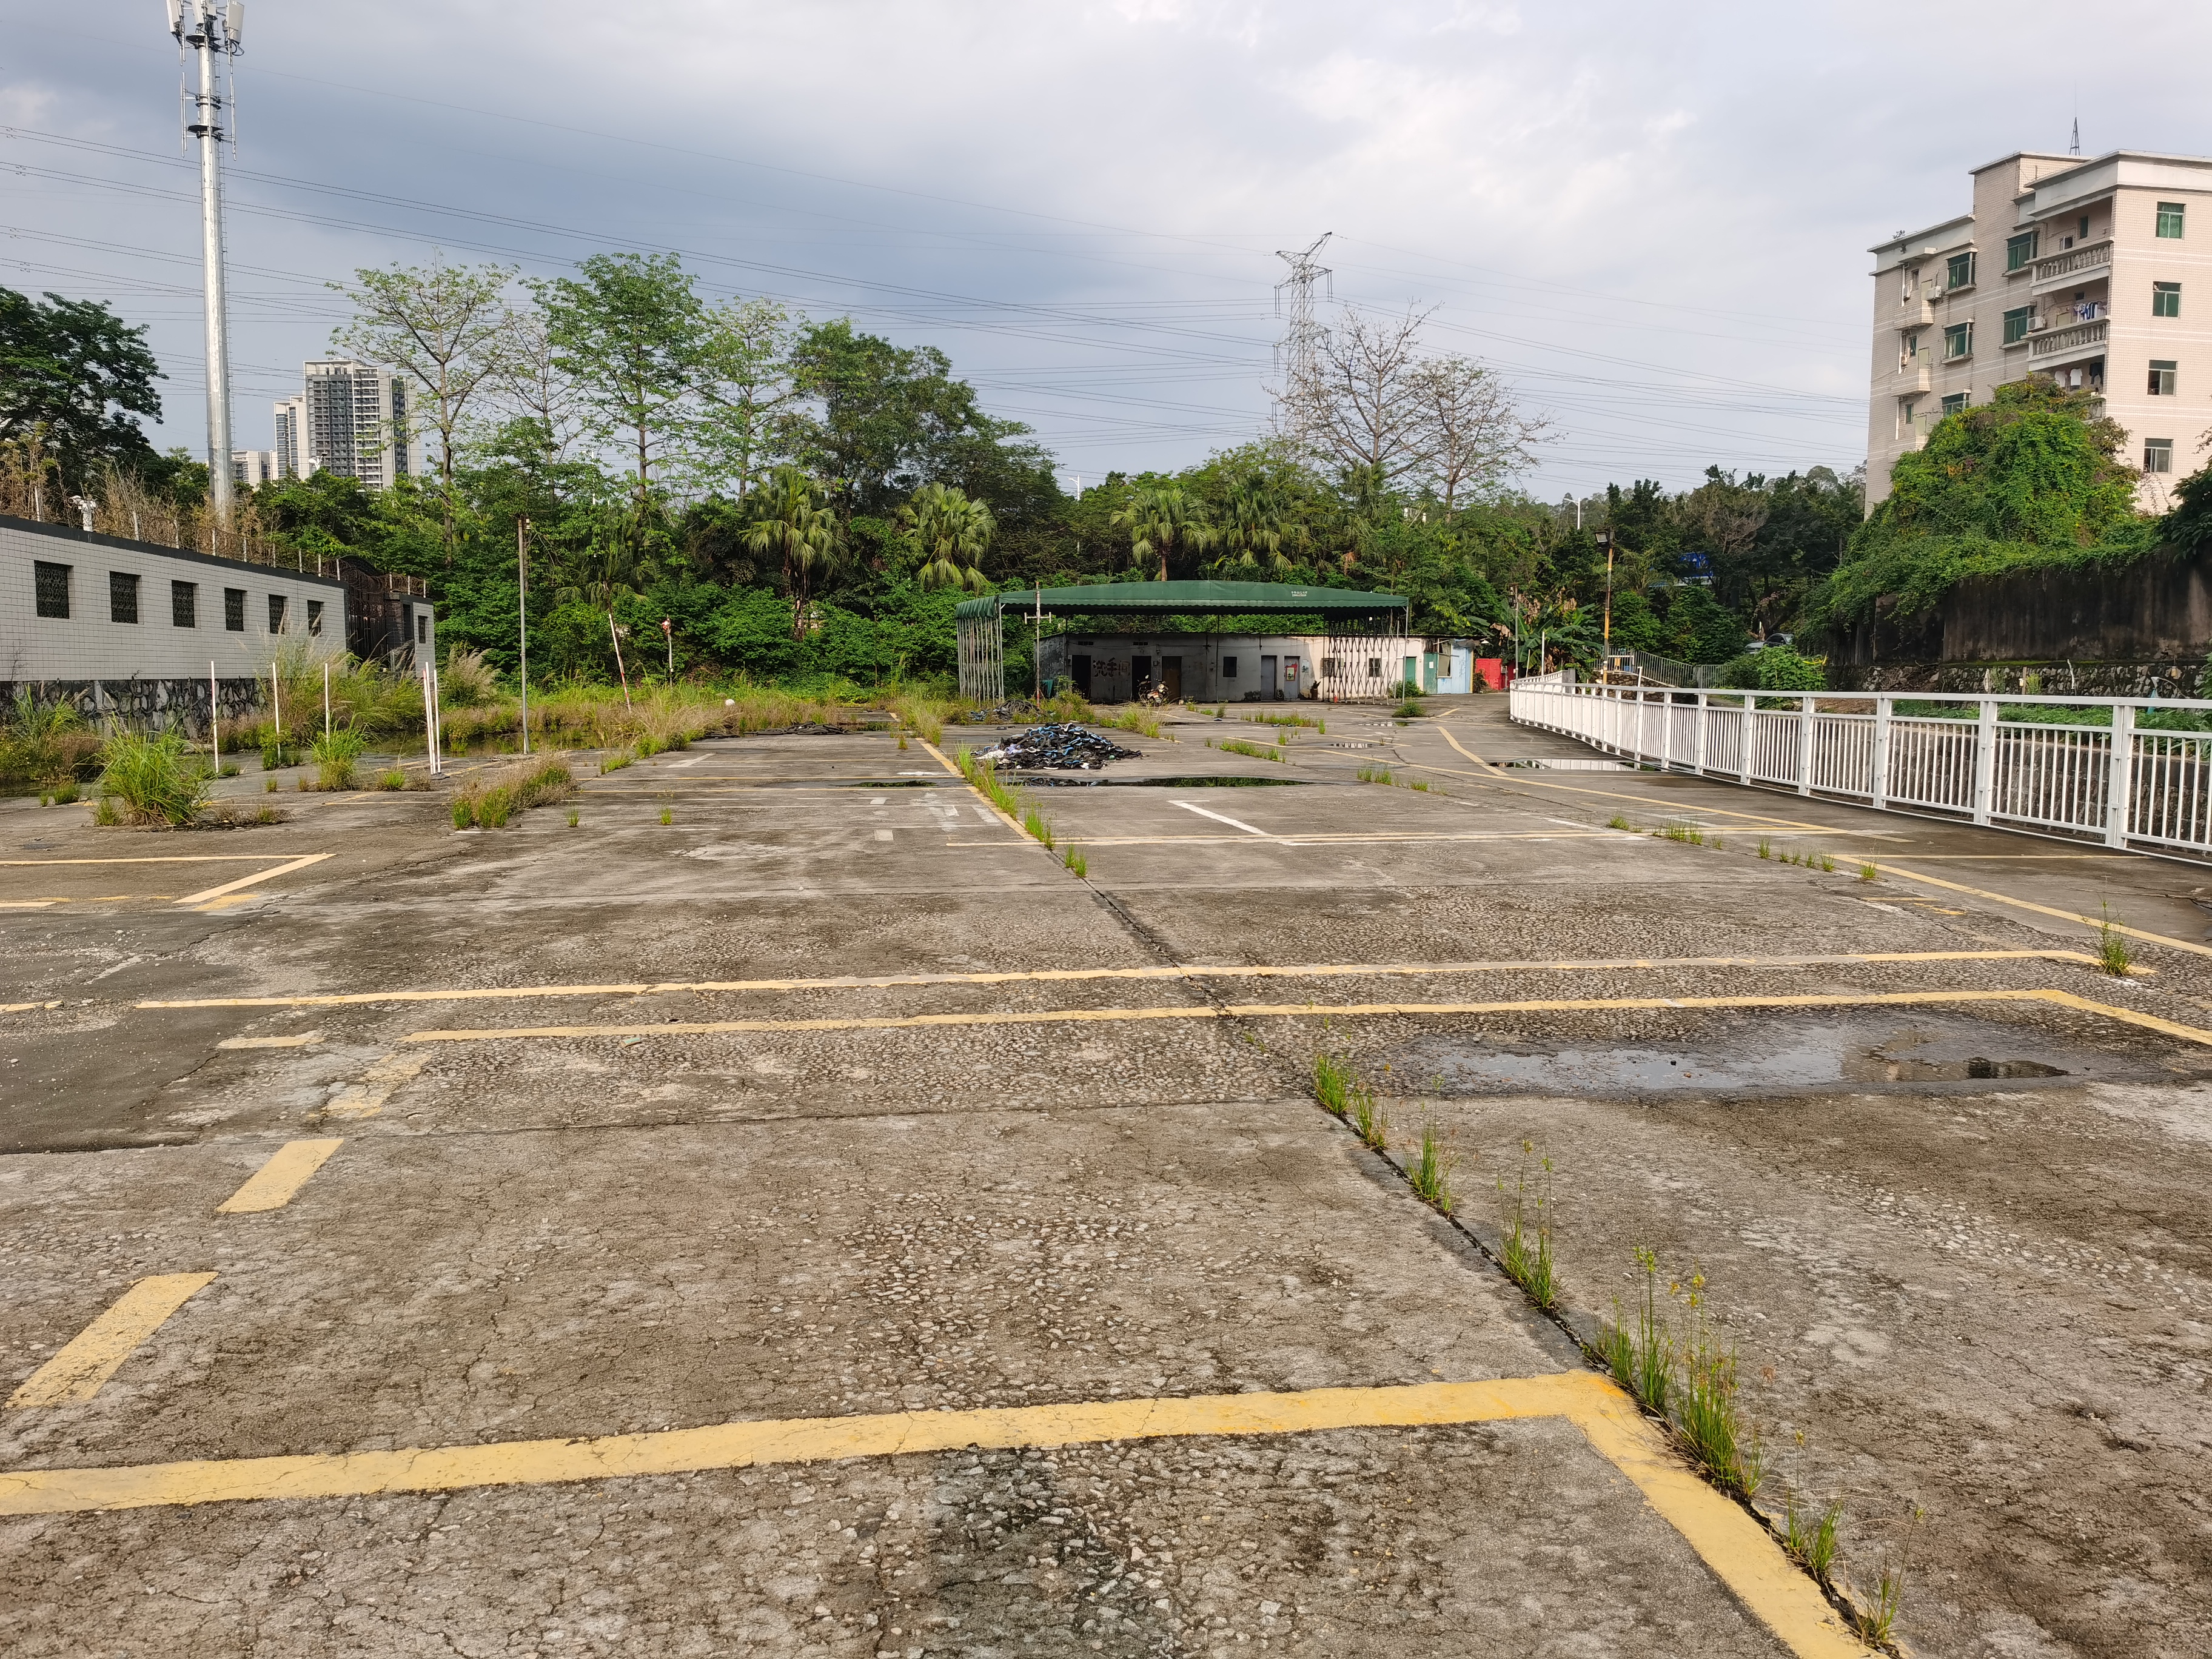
x,y
1666,730
2120,776
1881,709
1985,760
1697,732
1748,713
1805,744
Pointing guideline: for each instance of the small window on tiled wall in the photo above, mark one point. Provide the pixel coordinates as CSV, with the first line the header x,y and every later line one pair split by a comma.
x,y
276,613
122,597
50,583
233,609
185,604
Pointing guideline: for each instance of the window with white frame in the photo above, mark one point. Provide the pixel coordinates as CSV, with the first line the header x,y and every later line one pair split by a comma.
x,y
2162,376
2166,299
2019,251
1954,404
2158,455
1959,270
2015,324
1957,342
2169,218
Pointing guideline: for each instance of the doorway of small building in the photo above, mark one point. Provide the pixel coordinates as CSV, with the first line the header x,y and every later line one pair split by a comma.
x,y
1290,683
1410,677
1171,677
1140,676
1081,671
1428,671
1268,667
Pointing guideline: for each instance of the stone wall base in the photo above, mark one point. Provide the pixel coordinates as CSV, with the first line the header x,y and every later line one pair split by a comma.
x,y
179,706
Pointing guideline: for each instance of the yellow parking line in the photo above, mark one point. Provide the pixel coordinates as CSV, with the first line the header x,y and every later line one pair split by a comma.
x,y
1739,1553
1181,972
274,1184
206,894
366,1098
77,1372
165,857
1329,1010
304,1040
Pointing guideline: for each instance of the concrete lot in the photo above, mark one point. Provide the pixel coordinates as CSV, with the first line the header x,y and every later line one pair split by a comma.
x,y
614,1160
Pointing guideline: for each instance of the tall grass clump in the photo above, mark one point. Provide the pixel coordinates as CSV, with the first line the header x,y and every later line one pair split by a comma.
x,y
491,798
335,755
1078,865
2113,955
153,778
47,746
1526,1253
1705,1407
1333,1084
1369,1120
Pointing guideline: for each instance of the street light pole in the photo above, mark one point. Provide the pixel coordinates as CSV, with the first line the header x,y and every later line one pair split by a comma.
x,y
1605,648
212,31
522,614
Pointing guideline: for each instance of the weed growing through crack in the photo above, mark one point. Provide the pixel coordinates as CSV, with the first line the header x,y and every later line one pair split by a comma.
x,y
1367,1118
269,787
1705,1407
1527,1250
1684,832
1429,1172
1766,847
1332,1084
1238,746
1827,864
616,761
1078,865
667,815
1374,774
572,818
1617,821
1875,1618
2113,955
1642,1360
1810,1537
1867,872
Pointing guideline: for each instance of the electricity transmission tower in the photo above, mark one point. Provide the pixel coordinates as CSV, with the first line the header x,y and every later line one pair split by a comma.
x,y
1297,355
211,31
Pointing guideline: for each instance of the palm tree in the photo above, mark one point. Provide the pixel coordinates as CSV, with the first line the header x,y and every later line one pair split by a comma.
x,y
1160,518
953,531
1255,533
787,517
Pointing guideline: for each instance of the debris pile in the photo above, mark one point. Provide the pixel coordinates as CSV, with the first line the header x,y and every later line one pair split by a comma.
x,y
1062,748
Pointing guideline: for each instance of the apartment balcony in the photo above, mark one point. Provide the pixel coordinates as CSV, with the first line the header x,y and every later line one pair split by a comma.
x,y
1918,312
2075,338
2075,265
1913,376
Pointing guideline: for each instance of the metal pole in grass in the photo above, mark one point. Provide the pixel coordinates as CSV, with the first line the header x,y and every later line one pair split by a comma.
x,y
276,705
522,615
668,633
326,702
615,634
214,722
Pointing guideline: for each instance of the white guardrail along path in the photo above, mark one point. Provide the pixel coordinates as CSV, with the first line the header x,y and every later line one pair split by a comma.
x,y
2017,761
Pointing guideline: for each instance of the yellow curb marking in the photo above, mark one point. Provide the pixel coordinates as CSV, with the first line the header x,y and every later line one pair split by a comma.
x,y
77,1372
29,904
169,858
275,1183
302,1041
1187,970
205,893
2166,939
989,805
1326,1009
366,1098
1740,1554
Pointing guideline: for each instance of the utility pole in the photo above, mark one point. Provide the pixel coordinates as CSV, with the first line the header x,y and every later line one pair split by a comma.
x,y
1605,649
212,31
522,614
1298,354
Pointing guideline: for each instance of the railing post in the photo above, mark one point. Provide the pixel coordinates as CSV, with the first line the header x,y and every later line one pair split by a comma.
x,y
1881,710
1985,760
1749,714
1666,730
1805,744
1697,734
2120,776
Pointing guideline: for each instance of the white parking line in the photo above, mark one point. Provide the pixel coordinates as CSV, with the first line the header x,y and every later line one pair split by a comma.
x,y
1223,818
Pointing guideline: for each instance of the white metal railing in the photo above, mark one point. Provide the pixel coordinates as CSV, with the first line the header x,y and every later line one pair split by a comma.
x,y
2100,772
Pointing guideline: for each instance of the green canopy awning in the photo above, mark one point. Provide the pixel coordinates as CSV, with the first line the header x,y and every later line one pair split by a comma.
x,y
1188,599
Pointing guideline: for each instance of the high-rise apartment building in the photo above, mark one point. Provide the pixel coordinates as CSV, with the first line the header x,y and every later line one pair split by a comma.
x,y
252,468
350,418
2097,273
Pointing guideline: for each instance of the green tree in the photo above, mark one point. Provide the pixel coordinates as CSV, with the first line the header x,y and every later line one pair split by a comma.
x,y
632,333
953,531
790,522
441,326
747,394
77,374
1162,519
1254,528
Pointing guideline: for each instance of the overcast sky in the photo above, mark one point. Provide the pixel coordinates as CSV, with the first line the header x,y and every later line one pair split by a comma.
x,y
1652,219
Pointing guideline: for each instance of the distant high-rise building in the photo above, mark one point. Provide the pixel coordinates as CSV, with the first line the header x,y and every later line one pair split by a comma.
x,y
2073,271
351,419
253,468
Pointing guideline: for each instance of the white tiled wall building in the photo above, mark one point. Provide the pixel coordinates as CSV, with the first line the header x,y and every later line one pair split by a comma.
x,y
77,608
2096,272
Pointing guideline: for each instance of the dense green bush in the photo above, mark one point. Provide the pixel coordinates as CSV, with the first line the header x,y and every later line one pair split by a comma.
x,y
1777,668
154,778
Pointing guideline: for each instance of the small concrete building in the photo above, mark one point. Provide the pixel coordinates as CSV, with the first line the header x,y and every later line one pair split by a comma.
x,y
138,631
1196,640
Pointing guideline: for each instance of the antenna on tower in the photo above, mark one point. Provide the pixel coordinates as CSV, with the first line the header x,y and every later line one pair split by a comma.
x,y
1297,355
2074,148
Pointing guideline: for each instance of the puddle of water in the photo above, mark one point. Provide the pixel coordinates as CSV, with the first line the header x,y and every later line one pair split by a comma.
x,y
1798,1059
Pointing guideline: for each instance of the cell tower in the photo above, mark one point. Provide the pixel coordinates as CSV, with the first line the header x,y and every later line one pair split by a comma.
x,y
1297,356
211,31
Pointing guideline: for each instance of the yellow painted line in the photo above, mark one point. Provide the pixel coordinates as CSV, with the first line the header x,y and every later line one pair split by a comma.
x,y
203,896
1055,975
366,1098
2166,939
302,1041
29,904
168,858
1337,838
273,1185
77,1372
1738,1551
1330,1010
24,1007
989,805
